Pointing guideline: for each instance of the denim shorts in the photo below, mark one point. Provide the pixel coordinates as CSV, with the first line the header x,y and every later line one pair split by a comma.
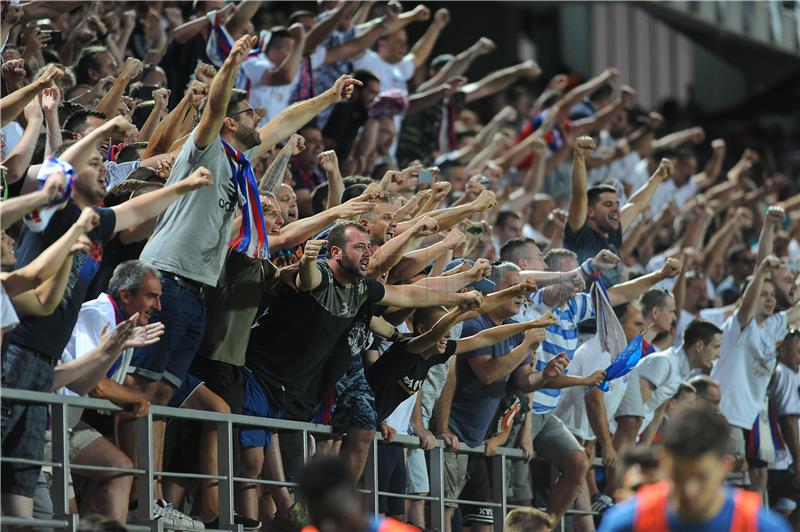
x,y
24,424
183,314
256,403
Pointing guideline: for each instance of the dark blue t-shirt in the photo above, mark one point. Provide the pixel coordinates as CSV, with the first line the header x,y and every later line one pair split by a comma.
x,y
475,403
50,334
586,243
621,518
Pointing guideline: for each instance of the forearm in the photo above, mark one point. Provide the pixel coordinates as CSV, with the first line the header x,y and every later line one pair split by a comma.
x,y
273,177
422,100
766,242
652,429
492,84
494,335
389,254
12,105
445,402
453,68
308,276
719,243
116,393
82,374
448,283
411,296
674,139
499,367
42,267
424,46
145,207
446,218
565,381
750,296
301,230
53,141
791,435
50,293
149,126
168,129
578,202
414,262
320,32
598,419
293,118
187,30
20,157
625,292
13,209
109,103
335,188
638,202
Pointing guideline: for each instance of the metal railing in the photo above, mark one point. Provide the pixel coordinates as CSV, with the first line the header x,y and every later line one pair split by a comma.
x,y
143,519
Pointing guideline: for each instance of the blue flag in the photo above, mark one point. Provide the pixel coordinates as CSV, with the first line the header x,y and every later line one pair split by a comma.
x,y
623,363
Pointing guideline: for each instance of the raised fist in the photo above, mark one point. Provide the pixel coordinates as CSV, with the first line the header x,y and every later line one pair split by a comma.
x,y
671,268
311,250
605,260
584,144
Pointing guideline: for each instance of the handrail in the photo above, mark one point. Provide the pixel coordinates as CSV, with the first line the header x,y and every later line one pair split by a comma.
x,y
225,422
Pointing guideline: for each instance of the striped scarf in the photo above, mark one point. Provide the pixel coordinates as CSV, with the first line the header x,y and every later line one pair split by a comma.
x,y
252,239
220,43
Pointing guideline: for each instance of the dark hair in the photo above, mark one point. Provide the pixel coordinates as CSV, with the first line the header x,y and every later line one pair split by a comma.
x,y
338,235
66,109
693,432
737,253
504,216
512,249
593,194
641,455
237,97
323,487
365,76
142,112
557,254
86,61
445,166
318,197
353,191
78,121
700,331
652,298
622,309
130,152
64,145
604,92
426,316
277,35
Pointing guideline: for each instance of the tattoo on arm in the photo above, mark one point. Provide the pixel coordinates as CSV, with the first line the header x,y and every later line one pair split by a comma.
x,y
273,177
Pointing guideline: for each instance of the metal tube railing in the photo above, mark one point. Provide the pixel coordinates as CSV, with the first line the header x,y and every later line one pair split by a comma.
x,y
226,477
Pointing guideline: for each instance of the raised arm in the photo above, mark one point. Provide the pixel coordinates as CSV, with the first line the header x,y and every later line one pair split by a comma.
x,y
491,369
284,73
694,134
448,217
639,202
308,275
495,335
579,202
585,89
219,94
13,209
425,341
410,296
444,405
320,32
20,157
274,175
424,46
110,102
299,231
625,292
414,262
747,308
772,223
160,99
11,105
390,253
499,80
460,63
187,30
296,116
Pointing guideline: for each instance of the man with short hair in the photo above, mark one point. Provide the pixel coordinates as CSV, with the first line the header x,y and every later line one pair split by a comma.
x,y
707,392
340,131
94,64
656,378
595,219
693,497
658,311
507,226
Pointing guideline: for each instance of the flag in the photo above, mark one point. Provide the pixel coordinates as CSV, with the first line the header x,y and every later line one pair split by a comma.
x,y
623,363
38,219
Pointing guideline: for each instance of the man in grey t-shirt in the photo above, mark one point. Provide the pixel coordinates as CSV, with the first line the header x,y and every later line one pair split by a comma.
x,y
190,239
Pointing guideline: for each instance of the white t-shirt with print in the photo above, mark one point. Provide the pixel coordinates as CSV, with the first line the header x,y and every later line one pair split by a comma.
x,y
785,401
744,368
666,371
274,98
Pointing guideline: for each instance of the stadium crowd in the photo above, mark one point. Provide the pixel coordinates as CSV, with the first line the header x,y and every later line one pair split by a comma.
x,y
215,206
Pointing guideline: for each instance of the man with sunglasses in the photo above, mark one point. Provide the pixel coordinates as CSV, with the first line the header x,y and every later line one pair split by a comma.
x,y
190,241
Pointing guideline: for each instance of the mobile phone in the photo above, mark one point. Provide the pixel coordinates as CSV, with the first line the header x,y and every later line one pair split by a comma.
x,y
55,37
425,177
474,229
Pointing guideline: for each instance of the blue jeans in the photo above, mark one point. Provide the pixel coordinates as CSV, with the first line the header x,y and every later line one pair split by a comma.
x,y
183,314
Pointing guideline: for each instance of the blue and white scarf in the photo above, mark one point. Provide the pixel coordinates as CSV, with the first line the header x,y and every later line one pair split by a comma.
x,y
252,239
38,219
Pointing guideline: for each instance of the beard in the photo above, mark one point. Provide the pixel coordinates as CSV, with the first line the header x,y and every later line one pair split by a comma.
x,y
247,137
351,267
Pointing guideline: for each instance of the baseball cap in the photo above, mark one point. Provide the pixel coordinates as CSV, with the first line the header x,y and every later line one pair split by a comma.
x,y
484,286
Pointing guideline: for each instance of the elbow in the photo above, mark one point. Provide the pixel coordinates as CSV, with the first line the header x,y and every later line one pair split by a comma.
x,y
486,378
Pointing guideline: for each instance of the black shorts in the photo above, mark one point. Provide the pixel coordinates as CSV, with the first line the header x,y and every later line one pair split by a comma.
x,y
780,486
391,478
477,488
24,424
223,379
753,461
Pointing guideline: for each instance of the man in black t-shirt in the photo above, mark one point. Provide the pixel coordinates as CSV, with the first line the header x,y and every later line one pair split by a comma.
x,y
596,221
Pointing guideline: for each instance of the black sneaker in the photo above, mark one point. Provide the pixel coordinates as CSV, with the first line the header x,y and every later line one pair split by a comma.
x,y
246,522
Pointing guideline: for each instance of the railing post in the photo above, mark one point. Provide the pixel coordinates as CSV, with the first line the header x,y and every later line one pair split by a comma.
x,y
60,455
499,492
145,494
226,471
437,486
371,477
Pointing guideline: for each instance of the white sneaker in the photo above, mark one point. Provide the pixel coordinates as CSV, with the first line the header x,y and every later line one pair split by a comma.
x,y
172,517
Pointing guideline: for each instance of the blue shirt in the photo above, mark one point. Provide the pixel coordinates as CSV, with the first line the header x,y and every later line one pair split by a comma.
x,y
621,518
475,404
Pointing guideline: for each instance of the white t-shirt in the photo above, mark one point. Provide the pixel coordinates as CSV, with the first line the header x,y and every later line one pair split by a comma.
x,y
7,313
392,76
92,318
589,357
744,368
785,401
665,371
274,98
669,191
717,316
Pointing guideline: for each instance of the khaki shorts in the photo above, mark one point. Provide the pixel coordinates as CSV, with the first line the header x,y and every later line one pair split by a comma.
x,y
551,438
455,476
737,450
518,483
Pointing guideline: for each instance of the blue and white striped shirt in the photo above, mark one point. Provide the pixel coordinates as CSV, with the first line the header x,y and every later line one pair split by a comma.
x,y
561,337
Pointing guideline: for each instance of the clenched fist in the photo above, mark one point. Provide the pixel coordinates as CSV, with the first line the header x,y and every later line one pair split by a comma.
x,y
201,177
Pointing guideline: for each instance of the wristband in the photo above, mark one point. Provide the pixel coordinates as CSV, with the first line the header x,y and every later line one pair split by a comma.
x,y
588,269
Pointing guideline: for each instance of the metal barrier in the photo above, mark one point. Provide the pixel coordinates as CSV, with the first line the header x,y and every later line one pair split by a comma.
x,y
143,519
